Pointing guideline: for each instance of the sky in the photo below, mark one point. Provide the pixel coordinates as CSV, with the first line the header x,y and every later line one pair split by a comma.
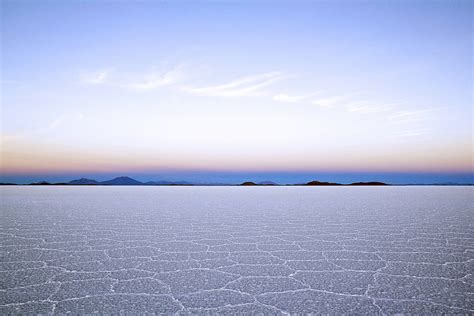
x,y
237,90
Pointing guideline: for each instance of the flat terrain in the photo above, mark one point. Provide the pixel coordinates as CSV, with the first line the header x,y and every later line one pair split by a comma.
x,y
357,250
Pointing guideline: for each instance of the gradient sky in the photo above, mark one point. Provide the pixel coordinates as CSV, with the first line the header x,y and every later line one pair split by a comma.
x,y
200,89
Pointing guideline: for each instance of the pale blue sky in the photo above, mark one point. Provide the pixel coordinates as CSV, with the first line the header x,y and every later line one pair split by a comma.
x,y
147,86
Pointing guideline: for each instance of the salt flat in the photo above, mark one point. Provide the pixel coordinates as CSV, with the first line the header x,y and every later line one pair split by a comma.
x,y
270,250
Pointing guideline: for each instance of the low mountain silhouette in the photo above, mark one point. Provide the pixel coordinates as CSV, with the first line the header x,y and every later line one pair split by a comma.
x,y
248,183
83,181
122,181
267,183
130,181
48,183
322,183
41,183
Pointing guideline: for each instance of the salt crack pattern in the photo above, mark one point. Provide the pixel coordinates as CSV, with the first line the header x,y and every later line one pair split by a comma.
x,y
234,250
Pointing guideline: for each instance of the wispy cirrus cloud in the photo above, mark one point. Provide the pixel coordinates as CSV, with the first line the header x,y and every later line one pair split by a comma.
x,y
156,80
241,87
349,102
253,85
148,82
410,123
406,116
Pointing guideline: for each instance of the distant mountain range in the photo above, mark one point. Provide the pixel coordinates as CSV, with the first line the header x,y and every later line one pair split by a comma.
x,y
368,183
131,181
267,183
316,183
83,181
122,181
322,183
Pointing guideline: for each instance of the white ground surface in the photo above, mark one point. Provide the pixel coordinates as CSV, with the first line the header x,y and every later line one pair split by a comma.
x,y
249,250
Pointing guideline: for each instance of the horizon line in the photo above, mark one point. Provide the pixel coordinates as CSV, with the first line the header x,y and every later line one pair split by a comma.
x,y
135,182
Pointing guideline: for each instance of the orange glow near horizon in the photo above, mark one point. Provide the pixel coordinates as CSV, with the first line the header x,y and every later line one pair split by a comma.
x,y
23,158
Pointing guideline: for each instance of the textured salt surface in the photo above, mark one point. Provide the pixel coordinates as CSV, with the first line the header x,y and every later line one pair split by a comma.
x,y
241,250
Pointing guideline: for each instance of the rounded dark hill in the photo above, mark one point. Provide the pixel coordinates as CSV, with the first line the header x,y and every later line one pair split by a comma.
x,y
248,183
41,183
267,183
83,181
322,183
122,181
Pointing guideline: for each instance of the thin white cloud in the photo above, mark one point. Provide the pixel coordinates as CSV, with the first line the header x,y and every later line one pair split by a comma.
x,y
253,85
410,115
149,82
242,87
156,80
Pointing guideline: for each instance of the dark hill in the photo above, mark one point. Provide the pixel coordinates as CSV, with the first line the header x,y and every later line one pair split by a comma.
x,y
267,183
248,183
83,181
322,183
121,181
40,183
